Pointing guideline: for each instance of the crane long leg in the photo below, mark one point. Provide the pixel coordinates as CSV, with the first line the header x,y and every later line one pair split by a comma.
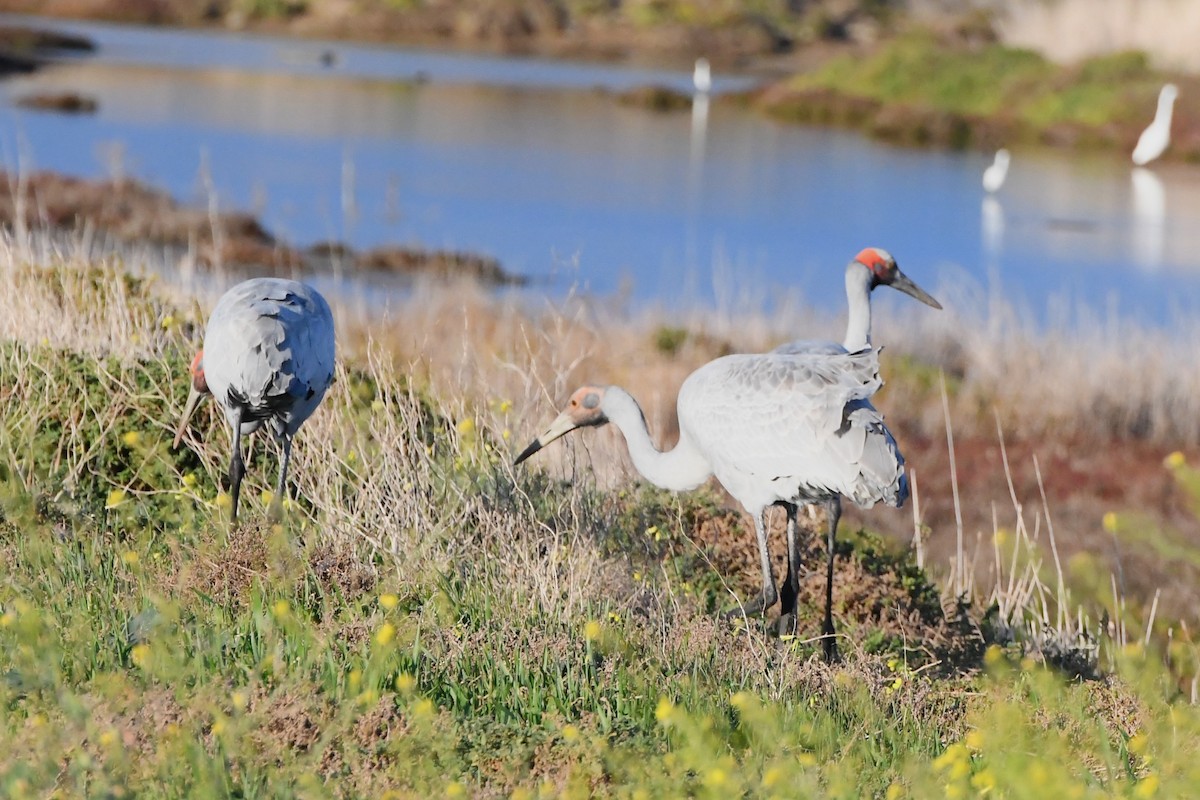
x,y
834,508
791,585
237,467
277,503
769,594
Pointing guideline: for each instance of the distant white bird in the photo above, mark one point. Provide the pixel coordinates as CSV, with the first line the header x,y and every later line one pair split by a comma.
x,y
774,429
1157,136
993,176
267,359
871,268
702,76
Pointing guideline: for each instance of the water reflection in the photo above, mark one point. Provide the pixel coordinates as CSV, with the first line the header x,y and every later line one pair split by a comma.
x,y
1149,218
991,219
545,178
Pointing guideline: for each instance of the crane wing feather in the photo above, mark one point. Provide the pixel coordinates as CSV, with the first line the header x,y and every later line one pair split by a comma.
x,y
802,422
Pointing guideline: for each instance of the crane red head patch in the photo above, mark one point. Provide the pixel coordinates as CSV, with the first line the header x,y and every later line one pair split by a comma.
x,y
880,262
199,382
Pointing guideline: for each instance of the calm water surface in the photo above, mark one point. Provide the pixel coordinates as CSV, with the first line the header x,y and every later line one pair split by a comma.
x,y
534,162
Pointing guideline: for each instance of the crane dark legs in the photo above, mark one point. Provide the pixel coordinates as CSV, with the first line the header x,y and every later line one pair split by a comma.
x,y
791,584
769,594
833,508
237,467
276,509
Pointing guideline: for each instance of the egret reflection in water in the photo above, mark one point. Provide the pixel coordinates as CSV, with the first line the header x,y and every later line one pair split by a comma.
x,y
1149,218
991,223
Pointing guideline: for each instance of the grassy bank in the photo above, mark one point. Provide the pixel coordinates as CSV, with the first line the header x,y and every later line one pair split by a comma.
x,y
929,89
428,621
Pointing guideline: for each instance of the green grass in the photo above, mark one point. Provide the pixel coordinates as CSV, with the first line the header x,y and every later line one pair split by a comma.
x,y
428,622
990,91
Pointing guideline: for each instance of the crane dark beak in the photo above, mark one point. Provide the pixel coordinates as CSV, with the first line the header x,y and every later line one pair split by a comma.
x,y
562,425
193,402
906,285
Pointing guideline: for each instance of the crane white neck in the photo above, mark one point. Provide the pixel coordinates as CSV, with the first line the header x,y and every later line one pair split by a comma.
x,y
858,298
678,469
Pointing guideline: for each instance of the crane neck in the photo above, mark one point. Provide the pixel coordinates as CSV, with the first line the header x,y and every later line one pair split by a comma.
x,y
681,468
858,298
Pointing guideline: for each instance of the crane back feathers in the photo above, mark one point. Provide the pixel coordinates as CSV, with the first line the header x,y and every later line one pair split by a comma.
x,y
269,351
794,427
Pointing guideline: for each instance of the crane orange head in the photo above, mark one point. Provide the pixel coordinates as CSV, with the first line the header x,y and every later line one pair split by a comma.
x,y
197,393
584,409
886,272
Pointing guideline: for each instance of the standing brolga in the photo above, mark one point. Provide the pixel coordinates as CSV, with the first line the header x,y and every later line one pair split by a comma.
x,y
775,429
871,268
267,360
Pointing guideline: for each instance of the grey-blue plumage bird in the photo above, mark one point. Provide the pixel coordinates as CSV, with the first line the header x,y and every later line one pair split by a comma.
x,y
267,360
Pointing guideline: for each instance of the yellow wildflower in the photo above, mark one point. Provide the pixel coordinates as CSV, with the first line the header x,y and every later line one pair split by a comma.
x,y
424,708
189,480
377,406
895,791
984,781
130,558
115,498
388,601
591,631
239,700
131,438
386,634
716,777
741,699
455,789
1175,460
664,710
1138,744
466,427
1147,786
974,740
224,501
570,733
1109,522
505,406
108,738
280,609
771,777
140,655
168,322
405,683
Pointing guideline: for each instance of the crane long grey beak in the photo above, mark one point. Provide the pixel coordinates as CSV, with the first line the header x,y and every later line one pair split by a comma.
x,y
561,426
906,285
193,402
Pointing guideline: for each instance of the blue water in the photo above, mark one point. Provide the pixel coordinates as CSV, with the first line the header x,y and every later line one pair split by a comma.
x,y
529,161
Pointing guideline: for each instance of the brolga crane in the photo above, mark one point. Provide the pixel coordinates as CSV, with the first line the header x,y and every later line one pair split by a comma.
x,y
267,360
871,268
1154,140
774,429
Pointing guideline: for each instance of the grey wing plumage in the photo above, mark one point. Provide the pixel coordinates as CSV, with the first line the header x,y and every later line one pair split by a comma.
x,y
270,343
801,423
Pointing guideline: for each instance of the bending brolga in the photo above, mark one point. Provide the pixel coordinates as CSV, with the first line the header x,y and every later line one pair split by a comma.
x,y
267,360
775,429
